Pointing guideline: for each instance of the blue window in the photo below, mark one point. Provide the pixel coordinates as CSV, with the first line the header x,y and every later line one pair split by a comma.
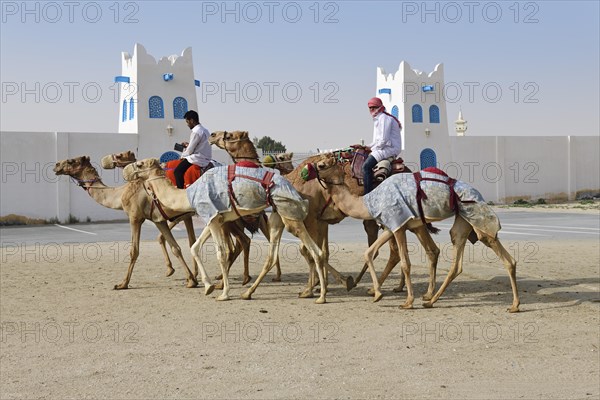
x,y
395,111
428,158
156,107
179,107
385,90
417,113
124,116
131,108
434,114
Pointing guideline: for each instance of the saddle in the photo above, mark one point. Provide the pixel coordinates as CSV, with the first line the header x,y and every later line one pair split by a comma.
x,y
193,173
382,170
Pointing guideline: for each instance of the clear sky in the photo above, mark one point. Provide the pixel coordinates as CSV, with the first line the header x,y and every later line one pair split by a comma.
x,y
59,59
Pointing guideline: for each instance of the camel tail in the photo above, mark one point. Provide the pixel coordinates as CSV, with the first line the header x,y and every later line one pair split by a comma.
x,y
432,229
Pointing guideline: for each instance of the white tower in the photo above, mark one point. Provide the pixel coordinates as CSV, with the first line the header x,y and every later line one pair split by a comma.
x,y
417,100
460,125
153,98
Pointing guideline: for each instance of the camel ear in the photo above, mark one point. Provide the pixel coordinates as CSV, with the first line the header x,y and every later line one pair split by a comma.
x,y
86,158
245,134
292,154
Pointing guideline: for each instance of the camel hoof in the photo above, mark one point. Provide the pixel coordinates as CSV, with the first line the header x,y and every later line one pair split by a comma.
x,y
407,305
246,296
191,283
276,279
427,297
170,271
209,289
121,286
371,291
320,300
246,280
513,309
377,296
398,289
223,297
306,294
350,283
428,304
219,286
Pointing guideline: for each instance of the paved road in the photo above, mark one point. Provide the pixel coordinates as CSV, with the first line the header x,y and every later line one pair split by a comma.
x,y
516,226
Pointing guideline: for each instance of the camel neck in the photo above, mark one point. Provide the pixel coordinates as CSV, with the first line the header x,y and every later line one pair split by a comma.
x,y
174,200
348,203
106,196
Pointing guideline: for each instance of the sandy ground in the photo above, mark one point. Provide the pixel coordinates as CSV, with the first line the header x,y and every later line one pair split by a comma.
x,y
67,334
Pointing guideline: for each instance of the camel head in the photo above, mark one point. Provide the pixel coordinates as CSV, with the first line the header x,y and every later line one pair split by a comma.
x,y
118,160
329,169
282,162
73,166
237,144
143,169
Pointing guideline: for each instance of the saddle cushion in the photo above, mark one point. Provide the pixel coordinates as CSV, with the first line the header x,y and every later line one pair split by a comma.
x,y
191,175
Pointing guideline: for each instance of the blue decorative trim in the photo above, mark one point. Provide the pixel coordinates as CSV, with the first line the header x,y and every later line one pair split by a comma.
x,y
168,156
156,107
124,116
385,90
131,108
197,82
428,158
180,107
122,79
417,113
168,77
434,114
395,111
428,88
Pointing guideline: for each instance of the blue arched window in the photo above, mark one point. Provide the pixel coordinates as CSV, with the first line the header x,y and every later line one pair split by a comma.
x,y
179,107
395,111
131,108
156,107
428,158
434,114
124,116
417,113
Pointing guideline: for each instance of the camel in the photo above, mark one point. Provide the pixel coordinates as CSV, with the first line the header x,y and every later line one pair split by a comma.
x,y
121,160
473,215
214,197
239,146
131,198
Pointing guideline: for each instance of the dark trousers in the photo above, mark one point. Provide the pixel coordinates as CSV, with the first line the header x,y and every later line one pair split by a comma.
x,y
367,169
179,172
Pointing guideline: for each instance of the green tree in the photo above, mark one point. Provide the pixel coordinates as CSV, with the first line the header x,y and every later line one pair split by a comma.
x,y
268,144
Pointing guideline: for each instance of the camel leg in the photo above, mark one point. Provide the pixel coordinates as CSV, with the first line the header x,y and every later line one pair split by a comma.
x,y
298,229
310,285
391,264
509,263
164,229
163,247
372,230
345,280
275,232
195,250
369,255
189,227
242,244
263,225
136,228
400,236
458,235
221,242
433,253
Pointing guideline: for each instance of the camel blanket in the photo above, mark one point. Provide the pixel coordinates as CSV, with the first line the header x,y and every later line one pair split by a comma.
x,y
394,202
209,194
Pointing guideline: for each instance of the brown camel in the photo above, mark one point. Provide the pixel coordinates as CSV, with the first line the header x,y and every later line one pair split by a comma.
x,y
210,201
131,198
121,160
239,146
474,215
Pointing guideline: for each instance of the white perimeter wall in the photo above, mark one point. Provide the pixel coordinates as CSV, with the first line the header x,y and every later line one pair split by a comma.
x,y
503,169
29,187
